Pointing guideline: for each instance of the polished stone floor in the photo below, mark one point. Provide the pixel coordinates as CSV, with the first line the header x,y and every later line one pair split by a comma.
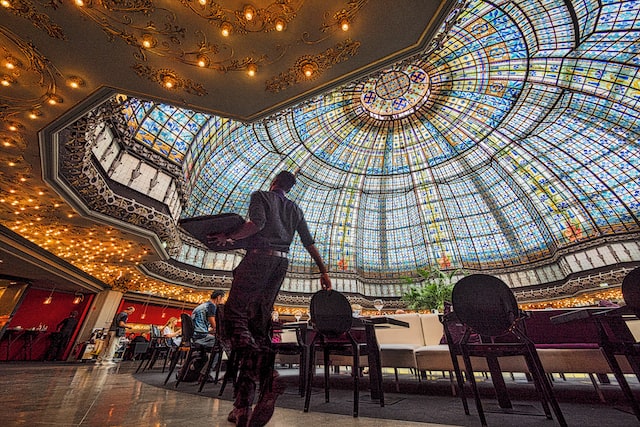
x,y
45,394
84,394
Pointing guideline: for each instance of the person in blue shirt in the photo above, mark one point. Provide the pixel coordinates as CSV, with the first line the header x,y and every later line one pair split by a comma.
x,y
204,328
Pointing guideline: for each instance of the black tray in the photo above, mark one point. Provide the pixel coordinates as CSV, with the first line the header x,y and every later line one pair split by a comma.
x,y
199,227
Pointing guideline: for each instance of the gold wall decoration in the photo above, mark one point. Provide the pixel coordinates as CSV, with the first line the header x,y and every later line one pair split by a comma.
x,y
26,9
324,60
169,79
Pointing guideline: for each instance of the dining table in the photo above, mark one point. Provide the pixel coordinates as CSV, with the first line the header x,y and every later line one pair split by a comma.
x,y
364,326
28,337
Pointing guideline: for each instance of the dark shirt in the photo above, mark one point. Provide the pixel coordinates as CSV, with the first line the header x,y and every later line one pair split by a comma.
x,y
278,218
68,325
122,316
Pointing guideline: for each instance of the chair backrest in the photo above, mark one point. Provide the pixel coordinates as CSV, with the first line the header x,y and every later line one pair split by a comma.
x,y
631,290
155,332
187,328
485,304
330,313
140,347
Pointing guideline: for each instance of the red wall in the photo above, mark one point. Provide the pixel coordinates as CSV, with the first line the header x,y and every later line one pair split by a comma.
x,y
32,312
153,313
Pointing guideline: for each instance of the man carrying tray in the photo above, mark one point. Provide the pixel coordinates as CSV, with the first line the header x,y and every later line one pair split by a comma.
x,y
273,219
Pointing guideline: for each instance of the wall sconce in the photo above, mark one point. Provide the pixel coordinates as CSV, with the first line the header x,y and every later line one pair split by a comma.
x,y
144,312
35,113
168,81
49,299
79,297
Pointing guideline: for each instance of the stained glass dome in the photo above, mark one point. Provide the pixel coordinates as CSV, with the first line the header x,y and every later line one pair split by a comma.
x,y
517,138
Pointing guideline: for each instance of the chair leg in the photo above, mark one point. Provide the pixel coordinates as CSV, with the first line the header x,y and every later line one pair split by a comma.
x,y
232,370
538,371
356,380
145,361
190,356
459,380
622,381
172,365
474,386
311,360
213,356
597,388
326,375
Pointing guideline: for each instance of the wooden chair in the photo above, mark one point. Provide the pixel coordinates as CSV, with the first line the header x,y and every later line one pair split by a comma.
x,y
485,305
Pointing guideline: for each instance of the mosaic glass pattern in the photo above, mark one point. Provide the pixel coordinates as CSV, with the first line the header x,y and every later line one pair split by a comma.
x,y
518,138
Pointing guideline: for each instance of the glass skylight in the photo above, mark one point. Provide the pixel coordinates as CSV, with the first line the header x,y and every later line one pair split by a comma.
x,y
517,138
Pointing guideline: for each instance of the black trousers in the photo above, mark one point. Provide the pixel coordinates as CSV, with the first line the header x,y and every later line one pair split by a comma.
x,y
247,320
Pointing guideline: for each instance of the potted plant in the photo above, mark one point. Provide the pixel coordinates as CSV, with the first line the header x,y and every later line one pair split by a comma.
x,y
434,289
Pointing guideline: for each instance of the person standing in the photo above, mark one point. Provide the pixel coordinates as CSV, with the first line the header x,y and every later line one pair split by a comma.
x,y
65,329
273,220
118,330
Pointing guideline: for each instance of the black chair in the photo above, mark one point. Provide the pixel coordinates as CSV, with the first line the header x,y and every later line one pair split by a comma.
x,y
186,344
295,348
220,347
159,347
331,320
485,305
617,339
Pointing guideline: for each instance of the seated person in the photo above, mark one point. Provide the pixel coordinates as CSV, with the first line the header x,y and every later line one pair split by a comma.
x,y
133,339
170,333
204,327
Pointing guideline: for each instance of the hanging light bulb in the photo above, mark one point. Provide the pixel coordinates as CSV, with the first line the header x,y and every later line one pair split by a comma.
x,y
252,69
203,60
344,24
49,299
249,12
79,297
280,24
226,28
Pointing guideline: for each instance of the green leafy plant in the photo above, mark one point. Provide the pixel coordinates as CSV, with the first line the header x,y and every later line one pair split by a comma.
x,y
434,289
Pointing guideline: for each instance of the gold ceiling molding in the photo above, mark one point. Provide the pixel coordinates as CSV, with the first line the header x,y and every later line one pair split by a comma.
x,y
322,61
26,65
169,79
343,16
273,17
26,9
129,21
